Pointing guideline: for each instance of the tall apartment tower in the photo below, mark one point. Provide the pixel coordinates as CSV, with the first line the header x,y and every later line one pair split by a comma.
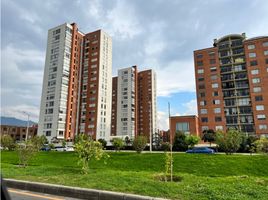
x,y
134,103
75,61
232,84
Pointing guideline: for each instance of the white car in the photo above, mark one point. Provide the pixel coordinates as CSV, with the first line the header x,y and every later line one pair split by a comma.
x,y
69,148
60,148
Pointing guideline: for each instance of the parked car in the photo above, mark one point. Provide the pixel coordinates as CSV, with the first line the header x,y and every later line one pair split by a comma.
x,y
201,150
60,148
69,148
45,148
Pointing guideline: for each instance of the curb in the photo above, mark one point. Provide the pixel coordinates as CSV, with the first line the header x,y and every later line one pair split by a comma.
x,y
73,192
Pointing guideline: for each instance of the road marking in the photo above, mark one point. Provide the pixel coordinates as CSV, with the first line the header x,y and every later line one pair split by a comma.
x,y
34,195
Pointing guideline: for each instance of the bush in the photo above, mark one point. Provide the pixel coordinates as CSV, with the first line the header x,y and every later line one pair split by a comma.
x,y
192,140
209,136
229,142
139,143
247,144
88,149
165,146
26,151
180,142
7,142
38,141
118,143
103,142
262,145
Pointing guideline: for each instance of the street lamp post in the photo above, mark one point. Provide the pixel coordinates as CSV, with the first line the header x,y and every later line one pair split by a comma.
x,y
171,161
150,124
27,129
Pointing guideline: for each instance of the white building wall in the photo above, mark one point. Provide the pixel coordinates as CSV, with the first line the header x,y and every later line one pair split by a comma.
x,y
154,104
105,88
55,83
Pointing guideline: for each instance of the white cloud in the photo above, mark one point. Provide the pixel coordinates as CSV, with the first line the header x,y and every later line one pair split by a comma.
x,y
162,118
190,107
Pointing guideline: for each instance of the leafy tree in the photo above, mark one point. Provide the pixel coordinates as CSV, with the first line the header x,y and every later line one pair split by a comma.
x,y
192,140
180,142
118,143
51,146
139,143
262,145
165,146
88,149
103,142
38,141
7,142
127,141
63,143
209,136
247,144
26,151
229,142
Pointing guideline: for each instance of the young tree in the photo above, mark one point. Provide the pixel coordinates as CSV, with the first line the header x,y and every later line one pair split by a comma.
x,y
63,143
103,143
209,136
38,141
165,146
180,142
139,143
26,151
7,142
168,165
262,145
88,149
192,140
118,143
128,141
229,142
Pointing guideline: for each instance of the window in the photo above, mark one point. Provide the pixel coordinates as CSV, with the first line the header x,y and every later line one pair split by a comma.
x,y
252,55
265,44
204,119
48,133
203,103
182,126
201,79
251,46
202,94
200,71
203,111
214,77
212,61
219,128
215,93
256,80
258,98
218,119
259,107
262,126
199,55
266,52
266,61
200,63
257,89
217,110
204,128
254,71
213,69
215,85
202,86
261,117
216,102
253,63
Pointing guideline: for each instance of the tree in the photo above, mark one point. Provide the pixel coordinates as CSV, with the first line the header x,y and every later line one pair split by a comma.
x,y
165,146
118,143
103,142
247,144
229,142
127,141
262,145
139,143
168,166
87,150
192,140
7,142
38,141
180,142
209,136
26,151
63,143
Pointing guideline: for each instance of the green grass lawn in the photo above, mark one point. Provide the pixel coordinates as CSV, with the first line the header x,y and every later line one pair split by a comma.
x,y
203,176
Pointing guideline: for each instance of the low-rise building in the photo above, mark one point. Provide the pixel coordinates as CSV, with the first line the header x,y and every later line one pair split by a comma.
x,y
18,133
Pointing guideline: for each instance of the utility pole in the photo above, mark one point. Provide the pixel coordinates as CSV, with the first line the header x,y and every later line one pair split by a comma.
x,y
170,135
27,129
150,124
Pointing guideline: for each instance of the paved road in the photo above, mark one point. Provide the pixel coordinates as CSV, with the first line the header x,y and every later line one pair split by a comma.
x,y
16,194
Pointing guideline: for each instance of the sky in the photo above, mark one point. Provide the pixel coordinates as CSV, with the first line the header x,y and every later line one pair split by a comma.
x,y
156,34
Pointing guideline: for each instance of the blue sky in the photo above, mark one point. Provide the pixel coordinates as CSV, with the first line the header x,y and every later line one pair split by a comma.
x,y
157,34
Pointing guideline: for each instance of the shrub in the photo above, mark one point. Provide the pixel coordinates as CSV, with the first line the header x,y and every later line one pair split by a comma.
x,y
165,146
26,151
88,149
192,140
38,141
229,142
139,143
209,136
7,142
118,143
103,142
180,142
262,145
168,166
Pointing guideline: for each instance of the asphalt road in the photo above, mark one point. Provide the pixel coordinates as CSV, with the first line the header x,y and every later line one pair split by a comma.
x,y
16,194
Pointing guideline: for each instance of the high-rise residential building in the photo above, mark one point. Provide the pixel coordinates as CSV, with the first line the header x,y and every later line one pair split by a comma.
x,y
76,84
134,103
232,84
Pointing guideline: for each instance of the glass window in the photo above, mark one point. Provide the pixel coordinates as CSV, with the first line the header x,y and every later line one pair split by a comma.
x,y
213,69
204,119
251,46
217,110
203,111
265,44
218,119
200,63
262,126
252,55
199,55
261,117
254,71
214,77
216,101
257,89
219,128
215,93
259,107
203,103
200,71
256,80
258,98
253,63
182,126
215,85
265,52
204,128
